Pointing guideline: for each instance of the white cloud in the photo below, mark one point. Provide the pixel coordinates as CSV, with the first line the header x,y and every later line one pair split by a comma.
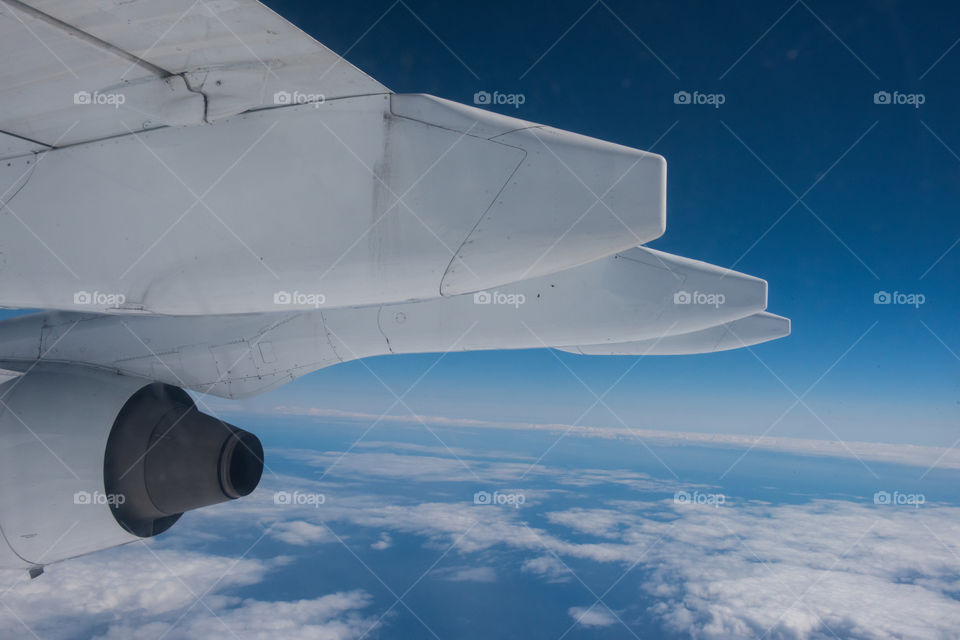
x,y
602,523
117,580
329,617
391,465
469,574
917,455
598,616
809,571
383,543
334,414
441,450
548,568
300,533
134,592
860,570
436,468
732,571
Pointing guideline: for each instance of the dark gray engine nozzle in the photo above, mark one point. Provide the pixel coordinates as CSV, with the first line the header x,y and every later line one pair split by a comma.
x,y
165,457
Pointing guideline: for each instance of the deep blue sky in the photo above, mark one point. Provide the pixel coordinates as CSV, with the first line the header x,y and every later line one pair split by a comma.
x,y
799,98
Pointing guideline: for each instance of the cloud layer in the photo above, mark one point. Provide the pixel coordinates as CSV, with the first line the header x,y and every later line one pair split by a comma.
x,y
742,568
137,592
909,454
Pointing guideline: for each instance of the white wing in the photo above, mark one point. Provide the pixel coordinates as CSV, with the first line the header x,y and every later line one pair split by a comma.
x,y
497,202
174,62
624,303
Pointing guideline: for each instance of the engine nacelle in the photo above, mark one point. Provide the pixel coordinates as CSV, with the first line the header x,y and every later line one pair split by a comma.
x,y
91,460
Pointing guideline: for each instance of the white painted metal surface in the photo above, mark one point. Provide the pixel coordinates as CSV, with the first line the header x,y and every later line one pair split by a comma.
x,y
636,295
81,70
344,202
745,332
54,425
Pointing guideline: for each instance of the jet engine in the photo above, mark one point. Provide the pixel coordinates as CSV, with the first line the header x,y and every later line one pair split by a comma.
x,y
91,460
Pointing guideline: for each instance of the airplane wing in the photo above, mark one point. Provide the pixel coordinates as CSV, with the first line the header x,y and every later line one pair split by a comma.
x,y
744,332
626,302
82,70
205,198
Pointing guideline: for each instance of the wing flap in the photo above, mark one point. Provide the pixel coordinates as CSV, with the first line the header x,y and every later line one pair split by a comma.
x,y
745,332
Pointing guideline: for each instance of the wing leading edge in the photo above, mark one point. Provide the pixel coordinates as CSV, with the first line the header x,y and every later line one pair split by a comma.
x,y
82,70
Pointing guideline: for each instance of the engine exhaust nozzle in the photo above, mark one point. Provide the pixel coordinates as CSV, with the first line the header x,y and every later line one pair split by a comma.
x,y
164,456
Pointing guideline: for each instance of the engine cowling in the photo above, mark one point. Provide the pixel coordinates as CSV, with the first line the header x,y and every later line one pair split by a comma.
x,y
91,460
